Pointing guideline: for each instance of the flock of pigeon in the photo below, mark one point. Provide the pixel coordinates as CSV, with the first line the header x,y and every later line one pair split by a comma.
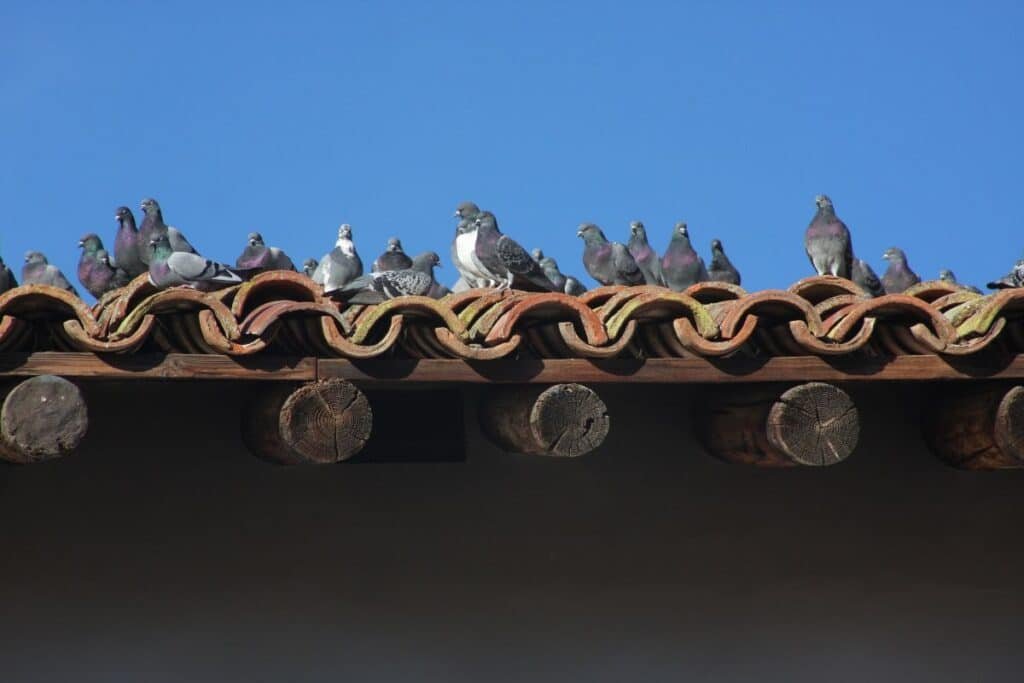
x,y
483,255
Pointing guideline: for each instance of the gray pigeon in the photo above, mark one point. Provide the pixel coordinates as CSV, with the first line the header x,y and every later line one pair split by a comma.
x,y
550,268
258,257
645,256
7,279
169,268
721,269
682,266
946,275
393,258
1012,280
309,267
417,280
898,276
127,249
610,263
463,249
38,271
506,258
340,265
574,287
864,275
153,225
827,241
95,272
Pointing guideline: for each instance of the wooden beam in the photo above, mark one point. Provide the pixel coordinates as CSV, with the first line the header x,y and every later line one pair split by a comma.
x,y
977,428
43,418
157,366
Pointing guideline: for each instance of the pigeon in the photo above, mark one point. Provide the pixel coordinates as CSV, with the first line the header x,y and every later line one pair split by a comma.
x,y
550,268
7,279
721,269
38,271
682,266
503,256
258,257
610,263
863,275
898,277
573,287
393,258
153,225
827,241
417,280
463,249
309,267
946,275
94,269
127,247
169,268
644,255
340,265
1012,280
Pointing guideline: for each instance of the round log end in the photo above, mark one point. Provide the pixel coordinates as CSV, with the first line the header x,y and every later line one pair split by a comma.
x,y
42,418
569,420
814,424
1009,427
326,422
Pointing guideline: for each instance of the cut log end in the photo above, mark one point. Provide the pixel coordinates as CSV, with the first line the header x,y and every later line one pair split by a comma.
x,y
810,424
42,418
978,429
319,423
566,420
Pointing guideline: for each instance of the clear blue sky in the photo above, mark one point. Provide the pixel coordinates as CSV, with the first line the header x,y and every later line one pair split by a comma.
x,y
291,118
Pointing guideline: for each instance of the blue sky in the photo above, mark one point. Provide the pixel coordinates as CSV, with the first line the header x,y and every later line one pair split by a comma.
x,y
291,118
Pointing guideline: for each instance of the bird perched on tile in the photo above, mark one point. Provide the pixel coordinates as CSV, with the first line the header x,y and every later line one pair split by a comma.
x,y
258,257
463,250
95,271
827,241
417,280
309,267
153,225
550,268
864,275
7,279
682,266
505,258
946,275
610,263
38,271
1012,280
898,276
127,247
341,265
573,287
169,268
644,255
721,269
393,258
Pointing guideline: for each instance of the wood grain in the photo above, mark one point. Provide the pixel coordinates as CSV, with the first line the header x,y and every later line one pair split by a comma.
x,y
566,420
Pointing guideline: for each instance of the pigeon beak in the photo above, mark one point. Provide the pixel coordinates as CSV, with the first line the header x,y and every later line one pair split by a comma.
x,y
81,243
579,233
457,214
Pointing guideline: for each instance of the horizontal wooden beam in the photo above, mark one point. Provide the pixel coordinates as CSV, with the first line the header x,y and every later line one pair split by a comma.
x,y
391,371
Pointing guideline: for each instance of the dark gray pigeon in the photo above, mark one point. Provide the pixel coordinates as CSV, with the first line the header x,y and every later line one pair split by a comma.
x,y
574,287
864,275
946,275
721,269
7,279
258,257
610,263
682,266
393,258
38,271
463,249
1012,280
827,241
169,268
153,225
644,255
340,265
309,267
550,268
95,272
417,280
506,258
898,276
127,249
